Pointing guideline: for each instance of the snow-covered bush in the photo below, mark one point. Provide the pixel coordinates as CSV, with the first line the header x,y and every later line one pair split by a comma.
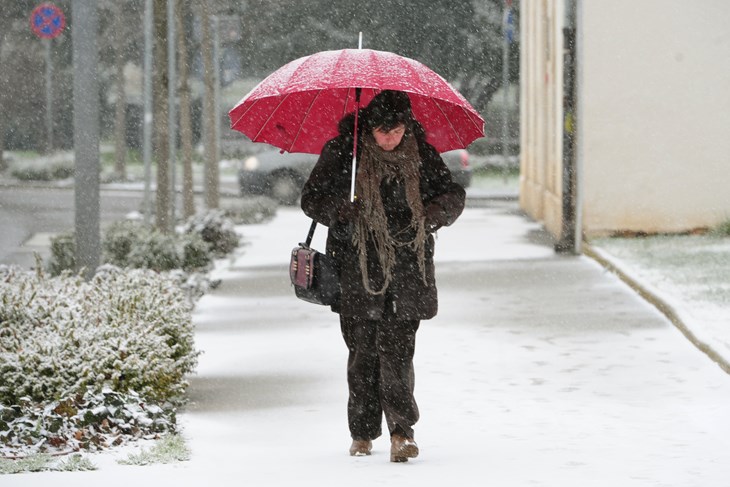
x,y
70,348
246,211
60,166
132,244
130,330
63,253
90,421
215,229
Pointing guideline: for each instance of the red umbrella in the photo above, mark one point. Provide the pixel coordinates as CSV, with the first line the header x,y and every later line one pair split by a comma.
x,y
297,108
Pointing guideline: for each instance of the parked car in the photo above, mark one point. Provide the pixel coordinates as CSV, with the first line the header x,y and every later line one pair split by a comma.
x,y
282,175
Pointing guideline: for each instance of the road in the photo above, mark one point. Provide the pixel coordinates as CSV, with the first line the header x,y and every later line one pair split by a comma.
x,y
29,215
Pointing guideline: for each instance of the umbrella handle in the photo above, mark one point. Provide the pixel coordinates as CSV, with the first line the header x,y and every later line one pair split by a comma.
x,y
352,183
354,146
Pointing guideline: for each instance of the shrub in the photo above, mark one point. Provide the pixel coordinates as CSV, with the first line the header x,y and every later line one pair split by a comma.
x,y
119,239
155,250
132,244
68,346
130,330
63,253
43,169
215,229
246,211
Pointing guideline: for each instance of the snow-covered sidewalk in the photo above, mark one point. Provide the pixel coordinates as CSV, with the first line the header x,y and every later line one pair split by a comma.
x,y
687,276
539,370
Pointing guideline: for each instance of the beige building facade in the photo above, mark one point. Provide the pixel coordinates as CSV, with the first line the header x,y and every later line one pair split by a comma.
x,y
652,120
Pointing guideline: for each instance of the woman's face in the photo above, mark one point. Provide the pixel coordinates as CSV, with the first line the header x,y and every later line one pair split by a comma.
x,y
389,140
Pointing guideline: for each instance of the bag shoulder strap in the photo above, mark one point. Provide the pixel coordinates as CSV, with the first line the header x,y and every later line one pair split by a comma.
x,y
310,235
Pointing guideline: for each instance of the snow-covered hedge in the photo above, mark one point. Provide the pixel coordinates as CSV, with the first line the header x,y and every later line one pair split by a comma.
x,y
250,210
61,339
58,166
128,329
132,244
215,229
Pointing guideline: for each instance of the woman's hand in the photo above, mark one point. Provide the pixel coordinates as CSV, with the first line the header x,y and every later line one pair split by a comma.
x,y
435,217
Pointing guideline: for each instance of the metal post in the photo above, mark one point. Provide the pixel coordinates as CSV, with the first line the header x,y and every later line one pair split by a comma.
x,y
49,96
147,122
505,86
217,87
566,243
171,95
86,135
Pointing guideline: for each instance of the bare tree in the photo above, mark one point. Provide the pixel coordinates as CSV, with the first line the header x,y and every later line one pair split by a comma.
x,y
160,91
186,129
211,162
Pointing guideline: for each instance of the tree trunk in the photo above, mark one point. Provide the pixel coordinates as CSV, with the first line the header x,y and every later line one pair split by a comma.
x,y
186,131
211,163
120,118
3,121
3,164
160,91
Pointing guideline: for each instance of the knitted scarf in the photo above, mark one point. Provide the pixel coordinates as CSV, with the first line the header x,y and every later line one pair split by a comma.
x,y
377,165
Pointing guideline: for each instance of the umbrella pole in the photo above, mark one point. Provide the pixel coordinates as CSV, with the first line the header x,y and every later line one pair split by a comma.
x,y
354,146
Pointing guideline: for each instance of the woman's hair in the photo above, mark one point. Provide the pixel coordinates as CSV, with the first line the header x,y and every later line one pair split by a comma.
x,y
387,110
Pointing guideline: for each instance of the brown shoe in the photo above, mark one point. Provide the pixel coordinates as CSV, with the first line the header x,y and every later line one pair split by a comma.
x,y
402,448
360,448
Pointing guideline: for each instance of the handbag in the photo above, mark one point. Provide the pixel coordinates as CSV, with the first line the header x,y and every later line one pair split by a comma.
x,y
314,274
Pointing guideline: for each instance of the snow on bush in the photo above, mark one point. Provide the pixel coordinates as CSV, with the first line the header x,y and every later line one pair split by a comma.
x,y
132,244
215,229
58,166
84,362
250,210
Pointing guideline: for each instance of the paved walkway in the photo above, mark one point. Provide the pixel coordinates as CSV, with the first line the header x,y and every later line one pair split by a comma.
x,y
540,369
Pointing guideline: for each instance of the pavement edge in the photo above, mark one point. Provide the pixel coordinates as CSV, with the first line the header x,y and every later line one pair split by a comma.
x,y
644,290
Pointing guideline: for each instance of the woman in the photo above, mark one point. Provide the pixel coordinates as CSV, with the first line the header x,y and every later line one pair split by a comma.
x,y
383,246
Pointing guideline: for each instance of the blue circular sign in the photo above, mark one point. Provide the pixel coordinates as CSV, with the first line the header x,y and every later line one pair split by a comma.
x,y
47,21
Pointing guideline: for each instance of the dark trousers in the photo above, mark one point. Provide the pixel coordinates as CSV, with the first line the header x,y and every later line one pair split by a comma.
x,y
380,375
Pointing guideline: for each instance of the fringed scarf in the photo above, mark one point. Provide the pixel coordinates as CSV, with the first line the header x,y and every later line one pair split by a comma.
x,y
377,165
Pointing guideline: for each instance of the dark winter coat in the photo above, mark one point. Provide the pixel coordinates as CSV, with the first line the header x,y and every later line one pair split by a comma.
x,y
328,189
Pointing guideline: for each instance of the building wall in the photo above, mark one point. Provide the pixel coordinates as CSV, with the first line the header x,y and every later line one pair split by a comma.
x,y
541,111
655,115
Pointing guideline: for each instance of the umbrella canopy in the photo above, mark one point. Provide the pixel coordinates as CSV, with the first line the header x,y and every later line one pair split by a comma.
x,y
297,108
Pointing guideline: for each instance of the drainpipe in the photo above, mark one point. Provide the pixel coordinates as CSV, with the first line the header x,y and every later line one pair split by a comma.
x,y
578,145
569,241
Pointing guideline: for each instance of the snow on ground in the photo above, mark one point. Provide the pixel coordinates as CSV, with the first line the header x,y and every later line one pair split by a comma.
x,y
539,370
691,273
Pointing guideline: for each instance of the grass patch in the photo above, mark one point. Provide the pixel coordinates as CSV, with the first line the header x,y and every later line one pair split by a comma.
x,y
76,463
722,230
169,449
33,463
42,462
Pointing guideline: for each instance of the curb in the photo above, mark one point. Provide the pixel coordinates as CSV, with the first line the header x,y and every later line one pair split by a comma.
x,y
652,297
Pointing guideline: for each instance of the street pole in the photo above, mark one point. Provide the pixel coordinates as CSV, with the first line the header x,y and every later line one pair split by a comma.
x,y
147,121
86,135
568,241
49,96
505,87
171,95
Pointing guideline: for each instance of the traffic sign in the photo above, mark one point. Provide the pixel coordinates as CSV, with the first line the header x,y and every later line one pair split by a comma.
x,y
47,21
